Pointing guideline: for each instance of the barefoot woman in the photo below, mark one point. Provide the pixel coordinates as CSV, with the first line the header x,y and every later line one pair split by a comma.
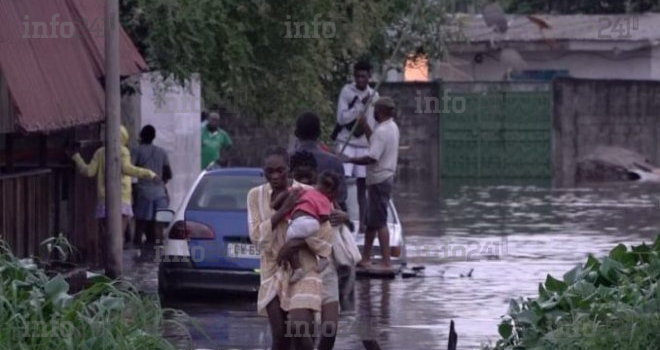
x,y
268,230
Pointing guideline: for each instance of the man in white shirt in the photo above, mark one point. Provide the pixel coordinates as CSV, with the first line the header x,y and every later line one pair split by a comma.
x,y
381,161
352,102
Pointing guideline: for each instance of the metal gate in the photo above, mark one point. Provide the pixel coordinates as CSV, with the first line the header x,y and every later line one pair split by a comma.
x,y
495,130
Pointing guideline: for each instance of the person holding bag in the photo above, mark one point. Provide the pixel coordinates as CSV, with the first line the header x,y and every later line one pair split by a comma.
x,y
344,248
354,100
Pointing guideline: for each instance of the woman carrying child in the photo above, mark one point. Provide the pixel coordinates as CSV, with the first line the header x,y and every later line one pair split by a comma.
x,y
303,167
268,229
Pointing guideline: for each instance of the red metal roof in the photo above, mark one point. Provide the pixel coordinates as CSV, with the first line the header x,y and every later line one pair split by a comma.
x,y
56,82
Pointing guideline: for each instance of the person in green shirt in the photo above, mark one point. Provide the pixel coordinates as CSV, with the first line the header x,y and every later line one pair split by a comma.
x,y
214,140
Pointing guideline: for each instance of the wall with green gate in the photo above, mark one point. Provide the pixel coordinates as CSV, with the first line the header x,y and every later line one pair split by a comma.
x,y
495,130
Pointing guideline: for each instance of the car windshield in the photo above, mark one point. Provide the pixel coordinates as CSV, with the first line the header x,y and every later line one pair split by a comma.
x,y
352,204
223,193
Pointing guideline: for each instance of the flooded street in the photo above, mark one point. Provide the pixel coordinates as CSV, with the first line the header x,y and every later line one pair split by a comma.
x,y
510,236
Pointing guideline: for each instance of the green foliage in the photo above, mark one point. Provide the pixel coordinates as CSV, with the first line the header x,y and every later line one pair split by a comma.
x,y
37,312
59,244
607,303
248,57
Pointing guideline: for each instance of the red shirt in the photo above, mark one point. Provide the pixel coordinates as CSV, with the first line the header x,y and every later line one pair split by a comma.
x,y
314,203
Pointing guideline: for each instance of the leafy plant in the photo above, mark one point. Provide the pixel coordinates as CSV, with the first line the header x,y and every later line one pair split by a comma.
x,y
615,297
37,312
247,59
59,244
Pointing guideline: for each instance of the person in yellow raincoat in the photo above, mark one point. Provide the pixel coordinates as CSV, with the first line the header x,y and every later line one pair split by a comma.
x,y
96,167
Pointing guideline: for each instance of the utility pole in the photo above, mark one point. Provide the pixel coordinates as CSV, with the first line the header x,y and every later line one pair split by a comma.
x,y
113,231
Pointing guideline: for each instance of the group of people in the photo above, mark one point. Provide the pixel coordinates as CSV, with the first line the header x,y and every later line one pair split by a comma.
x,y
295,215
151,166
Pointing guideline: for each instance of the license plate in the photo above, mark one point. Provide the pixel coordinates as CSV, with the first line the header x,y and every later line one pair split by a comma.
x,y
242,250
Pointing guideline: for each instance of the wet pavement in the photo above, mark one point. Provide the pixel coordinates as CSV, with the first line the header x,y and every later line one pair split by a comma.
x,y
509,236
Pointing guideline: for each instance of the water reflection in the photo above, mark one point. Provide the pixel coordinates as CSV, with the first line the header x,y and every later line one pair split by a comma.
x,y
510,235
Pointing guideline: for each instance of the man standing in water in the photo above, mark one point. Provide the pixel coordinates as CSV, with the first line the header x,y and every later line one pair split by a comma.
x,y
150,196
214,141
381,161
353,100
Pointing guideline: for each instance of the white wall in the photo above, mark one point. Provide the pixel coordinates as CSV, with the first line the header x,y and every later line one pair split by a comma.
x,y
627,65
655,62
175,113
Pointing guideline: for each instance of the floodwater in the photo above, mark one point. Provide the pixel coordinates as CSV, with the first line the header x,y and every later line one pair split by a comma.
x,y
510,236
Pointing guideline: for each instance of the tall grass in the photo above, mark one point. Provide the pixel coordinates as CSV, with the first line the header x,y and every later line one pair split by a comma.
x,y
37,312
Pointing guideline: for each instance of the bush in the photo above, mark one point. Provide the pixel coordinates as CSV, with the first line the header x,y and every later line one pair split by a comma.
x,y
607,303
37,312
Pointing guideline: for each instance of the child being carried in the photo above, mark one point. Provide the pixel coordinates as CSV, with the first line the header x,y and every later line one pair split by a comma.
x,y
311,211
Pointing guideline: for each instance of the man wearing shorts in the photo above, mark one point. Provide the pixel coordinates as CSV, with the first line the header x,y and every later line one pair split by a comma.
x,y
352,102
150,196
381,160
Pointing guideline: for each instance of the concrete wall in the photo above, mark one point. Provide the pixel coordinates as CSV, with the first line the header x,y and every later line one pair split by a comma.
x,y
419,144
419,151
640,64
175,113
586,114
589,113
252,138
655,63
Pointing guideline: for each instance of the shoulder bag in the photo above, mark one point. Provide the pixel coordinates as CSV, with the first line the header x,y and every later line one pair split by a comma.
x,y
344,249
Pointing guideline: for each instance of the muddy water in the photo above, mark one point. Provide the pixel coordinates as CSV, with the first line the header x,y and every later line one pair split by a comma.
x,y
481,244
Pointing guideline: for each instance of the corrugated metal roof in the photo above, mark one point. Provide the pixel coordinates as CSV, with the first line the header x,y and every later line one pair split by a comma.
x,y
55,82
569,27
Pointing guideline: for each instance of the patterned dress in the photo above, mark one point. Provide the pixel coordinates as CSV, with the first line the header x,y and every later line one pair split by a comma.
x,y
304,294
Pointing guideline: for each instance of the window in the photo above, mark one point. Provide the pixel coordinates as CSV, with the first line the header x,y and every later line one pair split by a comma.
x,y
223,193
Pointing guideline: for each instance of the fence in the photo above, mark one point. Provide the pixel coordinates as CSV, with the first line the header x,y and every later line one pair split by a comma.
x,y
25,210
495,129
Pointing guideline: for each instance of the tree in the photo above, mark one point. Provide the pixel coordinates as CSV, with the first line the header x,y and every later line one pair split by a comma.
x,y
257,46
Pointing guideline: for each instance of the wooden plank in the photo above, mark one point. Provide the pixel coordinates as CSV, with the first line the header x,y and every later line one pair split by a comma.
x,y
48,223
25,174
5,214
20,217
26,209
43,150
9,153
84,230
31,215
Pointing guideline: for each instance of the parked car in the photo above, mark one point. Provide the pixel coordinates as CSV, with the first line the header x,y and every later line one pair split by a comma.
x,y
207,243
